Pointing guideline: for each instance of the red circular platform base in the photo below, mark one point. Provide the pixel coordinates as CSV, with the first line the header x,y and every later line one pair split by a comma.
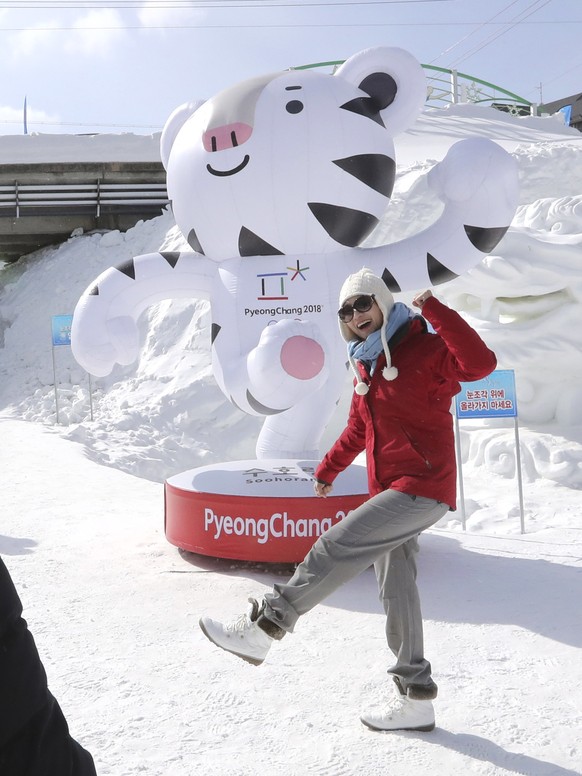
x,y
261,510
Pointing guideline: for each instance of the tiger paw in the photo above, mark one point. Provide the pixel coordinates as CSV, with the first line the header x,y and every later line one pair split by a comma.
x,y
470,173
288,362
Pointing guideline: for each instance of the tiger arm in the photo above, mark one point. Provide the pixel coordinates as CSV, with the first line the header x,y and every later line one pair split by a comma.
x,y
477,182
104,329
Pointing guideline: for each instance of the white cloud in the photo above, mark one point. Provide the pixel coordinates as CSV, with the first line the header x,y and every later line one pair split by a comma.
x,y
29,42
12,120
96,34
152,15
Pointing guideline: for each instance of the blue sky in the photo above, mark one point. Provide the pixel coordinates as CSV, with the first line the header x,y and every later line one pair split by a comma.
x,y
124,65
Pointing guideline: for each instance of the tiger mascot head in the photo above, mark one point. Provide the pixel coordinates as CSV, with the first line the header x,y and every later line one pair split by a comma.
x,y
299,162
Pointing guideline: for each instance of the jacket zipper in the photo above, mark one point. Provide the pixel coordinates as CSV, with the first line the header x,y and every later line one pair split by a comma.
x,y
415,447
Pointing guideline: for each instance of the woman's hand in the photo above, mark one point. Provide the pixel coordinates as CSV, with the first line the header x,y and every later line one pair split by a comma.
x,y
322,489
421,298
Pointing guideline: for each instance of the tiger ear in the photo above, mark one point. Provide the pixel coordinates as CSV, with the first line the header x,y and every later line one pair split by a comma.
x,y
393,78
173,125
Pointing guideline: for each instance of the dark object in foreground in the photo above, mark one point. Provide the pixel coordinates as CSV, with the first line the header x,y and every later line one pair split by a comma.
x,y
34,735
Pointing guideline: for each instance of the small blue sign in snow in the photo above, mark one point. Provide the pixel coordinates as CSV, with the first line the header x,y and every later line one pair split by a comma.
x,y
61,329
492,397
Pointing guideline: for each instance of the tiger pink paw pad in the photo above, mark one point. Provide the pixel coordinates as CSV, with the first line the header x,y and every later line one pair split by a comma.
x,y
302,357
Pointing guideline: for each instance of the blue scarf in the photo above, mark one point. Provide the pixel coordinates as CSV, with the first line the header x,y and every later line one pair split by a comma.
x,y
368,350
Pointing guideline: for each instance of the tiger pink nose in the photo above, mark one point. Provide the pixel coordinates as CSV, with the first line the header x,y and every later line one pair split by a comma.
x,y
302,357
228,136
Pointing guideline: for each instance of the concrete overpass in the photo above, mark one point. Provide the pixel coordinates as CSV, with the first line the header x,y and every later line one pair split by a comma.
x,y
41,204
52,185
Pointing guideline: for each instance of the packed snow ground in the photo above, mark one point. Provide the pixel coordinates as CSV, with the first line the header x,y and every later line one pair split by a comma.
x,y
114,607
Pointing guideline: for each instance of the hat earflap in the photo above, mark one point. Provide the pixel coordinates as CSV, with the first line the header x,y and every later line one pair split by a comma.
x,y
389,372
360,388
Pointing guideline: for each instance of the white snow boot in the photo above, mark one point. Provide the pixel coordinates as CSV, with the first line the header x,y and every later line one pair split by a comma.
x,y
249,636
403,713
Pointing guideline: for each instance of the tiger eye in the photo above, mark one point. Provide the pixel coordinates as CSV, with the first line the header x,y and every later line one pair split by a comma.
x,y
295,106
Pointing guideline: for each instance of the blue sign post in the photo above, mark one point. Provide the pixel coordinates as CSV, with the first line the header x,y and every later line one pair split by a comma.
x,y
492,397
61,335
61,329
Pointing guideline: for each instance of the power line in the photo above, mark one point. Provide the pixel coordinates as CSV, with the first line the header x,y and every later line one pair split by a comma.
x,y
32,122
236,26
188,4
473,32
496,35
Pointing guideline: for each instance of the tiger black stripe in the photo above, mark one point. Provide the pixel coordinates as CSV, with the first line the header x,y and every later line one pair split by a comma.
x,y
364,106
483,238
261,408
346,226
171,257
375,170
391,282
250,244
194,242
128,268
214,331
437,272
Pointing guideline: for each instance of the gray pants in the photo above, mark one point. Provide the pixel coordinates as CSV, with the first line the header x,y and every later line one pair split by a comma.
x,y
383,531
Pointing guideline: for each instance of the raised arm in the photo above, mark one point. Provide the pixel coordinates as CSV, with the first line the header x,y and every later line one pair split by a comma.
x,y
467,357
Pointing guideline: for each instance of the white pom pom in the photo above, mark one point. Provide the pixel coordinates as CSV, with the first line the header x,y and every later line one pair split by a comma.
x,y
390,373
361,389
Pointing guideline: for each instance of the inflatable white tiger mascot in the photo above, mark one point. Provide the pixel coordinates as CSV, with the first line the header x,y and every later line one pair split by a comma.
x,y
275,182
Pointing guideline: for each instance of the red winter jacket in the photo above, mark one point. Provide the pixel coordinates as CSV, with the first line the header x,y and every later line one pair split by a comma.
x,y
405,425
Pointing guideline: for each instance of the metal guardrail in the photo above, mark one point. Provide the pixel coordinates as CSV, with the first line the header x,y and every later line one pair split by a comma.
x,y
97,198
445,87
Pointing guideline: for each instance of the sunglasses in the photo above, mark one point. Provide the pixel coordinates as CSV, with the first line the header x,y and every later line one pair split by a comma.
x,y
362,304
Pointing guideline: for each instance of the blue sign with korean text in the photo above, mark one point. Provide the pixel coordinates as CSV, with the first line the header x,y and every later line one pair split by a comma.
x,y
492,397
61,329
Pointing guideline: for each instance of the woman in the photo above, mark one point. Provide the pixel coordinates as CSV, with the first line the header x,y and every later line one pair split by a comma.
x,y
400,415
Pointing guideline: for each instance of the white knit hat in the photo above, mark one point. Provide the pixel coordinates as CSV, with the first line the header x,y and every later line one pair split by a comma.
x,y
365,282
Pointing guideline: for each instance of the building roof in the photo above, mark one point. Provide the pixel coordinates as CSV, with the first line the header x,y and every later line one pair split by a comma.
x,y
575,100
